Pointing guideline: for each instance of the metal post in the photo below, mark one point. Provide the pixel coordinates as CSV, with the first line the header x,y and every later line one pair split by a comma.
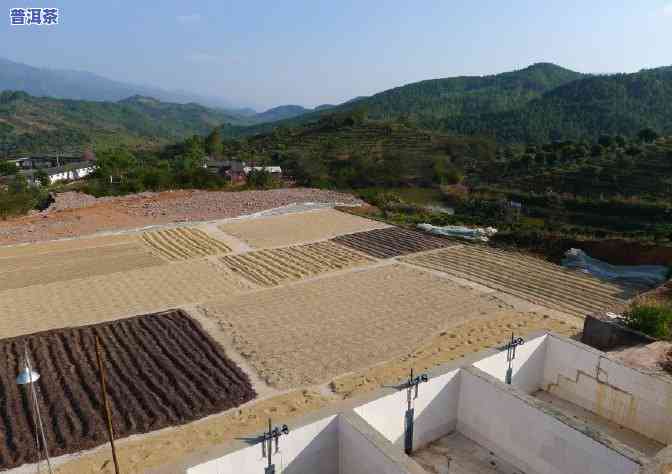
x,y
273,434
37,412
511,355
106,405
270,469
409,417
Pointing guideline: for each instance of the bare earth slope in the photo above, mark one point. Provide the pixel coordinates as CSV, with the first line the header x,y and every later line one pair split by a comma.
x,y
156,208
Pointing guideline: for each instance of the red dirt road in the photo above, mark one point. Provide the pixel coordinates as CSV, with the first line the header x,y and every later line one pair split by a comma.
x,y
162,370
128,212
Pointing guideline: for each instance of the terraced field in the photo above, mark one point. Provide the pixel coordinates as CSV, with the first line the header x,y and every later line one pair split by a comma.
x,y
162,370
392,242
67,264
310,332
183,243
107,297
527,277
297,228
274,266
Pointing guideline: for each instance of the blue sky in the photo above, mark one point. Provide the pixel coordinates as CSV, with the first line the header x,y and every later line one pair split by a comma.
x,y
312,52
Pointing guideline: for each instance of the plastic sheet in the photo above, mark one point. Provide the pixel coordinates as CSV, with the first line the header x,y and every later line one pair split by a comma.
x,y
633,275
460,232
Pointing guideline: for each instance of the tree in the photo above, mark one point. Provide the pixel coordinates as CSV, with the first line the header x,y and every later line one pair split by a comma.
x,y
213,144
647,135
606,141
42,177
117,162
8,169
261,179
596,150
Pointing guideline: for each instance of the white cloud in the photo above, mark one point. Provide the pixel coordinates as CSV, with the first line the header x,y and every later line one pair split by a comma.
x,y
191,18
667,9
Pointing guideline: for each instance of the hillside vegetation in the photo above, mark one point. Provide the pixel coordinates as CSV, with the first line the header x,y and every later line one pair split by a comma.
x,y
29,124
584,109
426,102
537,104
349,151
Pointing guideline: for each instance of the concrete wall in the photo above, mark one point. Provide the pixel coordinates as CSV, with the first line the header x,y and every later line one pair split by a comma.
x,y
511,426
306,450
585,377
365,451
435,411
528,366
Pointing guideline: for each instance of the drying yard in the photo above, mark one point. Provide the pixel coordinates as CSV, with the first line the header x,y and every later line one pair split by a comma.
x,y
183,243
330,326
275,266
391,242
162,370
297,228
108,297
321,302
62,264
526,277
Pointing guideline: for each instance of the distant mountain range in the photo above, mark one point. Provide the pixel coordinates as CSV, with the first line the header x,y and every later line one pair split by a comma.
x,y
81,85
540,103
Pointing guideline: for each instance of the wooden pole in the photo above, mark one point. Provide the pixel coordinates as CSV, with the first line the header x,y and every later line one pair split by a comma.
x,y
106,405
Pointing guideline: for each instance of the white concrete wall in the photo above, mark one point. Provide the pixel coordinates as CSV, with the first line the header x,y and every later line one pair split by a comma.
x,y
435,411
527,437
626,396
306,450
528,366
362,455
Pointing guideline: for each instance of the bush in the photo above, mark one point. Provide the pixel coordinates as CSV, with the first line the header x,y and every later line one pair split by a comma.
x,y
651,318
18,198
261,179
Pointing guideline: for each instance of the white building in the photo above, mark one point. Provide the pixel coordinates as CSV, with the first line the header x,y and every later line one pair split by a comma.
x,y
63,173
274,170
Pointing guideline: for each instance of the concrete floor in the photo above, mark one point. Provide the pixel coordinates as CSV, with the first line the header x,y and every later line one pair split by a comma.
x,y
626,436
457,454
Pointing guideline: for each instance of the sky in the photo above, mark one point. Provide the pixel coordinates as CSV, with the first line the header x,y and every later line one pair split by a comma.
x,y
312,52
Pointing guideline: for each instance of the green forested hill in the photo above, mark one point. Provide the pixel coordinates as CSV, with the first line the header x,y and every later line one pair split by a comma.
x,y
584,109
426,102
439,98
541,103
30,123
